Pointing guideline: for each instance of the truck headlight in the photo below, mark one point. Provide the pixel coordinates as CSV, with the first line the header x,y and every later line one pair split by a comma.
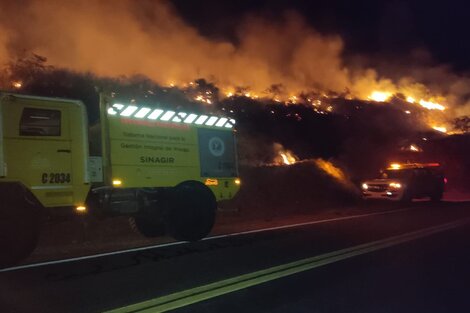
x,y
395,185
365,186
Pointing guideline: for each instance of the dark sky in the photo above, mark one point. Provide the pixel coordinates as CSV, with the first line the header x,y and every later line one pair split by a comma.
x,y
367,27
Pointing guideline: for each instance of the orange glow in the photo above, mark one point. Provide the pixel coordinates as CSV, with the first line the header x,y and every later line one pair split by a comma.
x,y
287,158
380,96
441,129
17,84
331,169
211,182
410,99
395,185
414,148
395,166
80,209
431,105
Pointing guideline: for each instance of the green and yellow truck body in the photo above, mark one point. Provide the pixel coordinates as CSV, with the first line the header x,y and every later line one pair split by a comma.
x,y
144,149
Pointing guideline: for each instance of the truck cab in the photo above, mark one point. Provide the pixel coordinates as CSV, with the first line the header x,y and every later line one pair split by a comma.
x,y
44,147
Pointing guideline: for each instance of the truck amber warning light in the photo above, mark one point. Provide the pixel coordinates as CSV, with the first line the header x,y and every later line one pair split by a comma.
x,y
169,116
212,182
80,209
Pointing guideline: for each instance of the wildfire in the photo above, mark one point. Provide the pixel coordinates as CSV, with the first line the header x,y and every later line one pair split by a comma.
x,y
203,99
17,84
287,158
380,96
410,99
283,156
441,129
331,170
431,105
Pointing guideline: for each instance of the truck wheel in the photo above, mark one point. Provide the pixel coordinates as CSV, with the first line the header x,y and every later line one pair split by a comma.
x,y
191,211
147,225
149,221
437,196
19,232
407,197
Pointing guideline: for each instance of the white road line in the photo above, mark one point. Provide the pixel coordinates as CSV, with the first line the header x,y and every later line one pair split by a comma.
x,y
176,243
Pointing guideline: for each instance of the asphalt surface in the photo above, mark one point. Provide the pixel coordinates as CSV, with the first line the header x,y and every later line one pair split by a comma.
x,y
428,274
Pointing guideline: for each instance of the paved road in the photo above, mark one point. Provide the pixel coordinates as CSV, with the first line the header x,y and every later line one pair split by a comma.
x,y
412,260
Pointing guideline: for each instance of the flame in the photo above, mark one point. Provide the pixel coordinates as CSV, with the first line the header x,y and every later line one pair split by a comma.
x,y
331,170
287,157
431,105
410,99
17,84
441,129
380,96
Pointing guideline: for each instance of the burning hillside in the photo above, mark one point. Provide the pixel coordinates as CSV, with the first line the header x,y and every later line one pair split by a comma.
x,y
282,80
282,60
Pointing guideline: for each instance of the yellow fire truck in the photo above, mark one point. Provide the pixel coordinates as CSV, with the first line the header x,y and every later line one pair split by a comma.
x,y
165,169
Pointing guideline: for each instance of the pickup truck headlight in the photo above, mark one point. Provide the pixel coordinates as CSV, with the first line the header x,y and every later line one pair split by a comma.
x,y
395,185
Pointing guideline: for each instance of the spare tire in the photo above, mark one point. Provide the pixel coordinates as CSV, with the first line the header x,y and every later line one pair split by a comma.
x,y
191,211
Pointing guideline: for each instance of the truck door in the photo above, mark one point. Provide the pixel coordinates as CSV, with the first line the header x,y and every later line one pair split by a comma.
x,y
38,150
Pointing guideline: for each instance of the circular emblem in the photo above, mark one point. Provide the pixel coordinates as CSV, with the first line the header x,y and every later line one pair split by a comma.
x,y
216,146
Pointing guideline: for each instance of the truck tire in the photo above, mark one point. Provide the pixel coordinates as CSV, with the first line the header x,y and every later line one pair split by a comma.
x,y
436,197
149,221
407,197
19,228
191,211
147,225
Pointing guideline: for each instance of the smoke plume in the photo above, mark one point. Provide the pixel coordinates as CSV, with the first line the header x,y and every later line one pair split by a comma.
x,y
281,57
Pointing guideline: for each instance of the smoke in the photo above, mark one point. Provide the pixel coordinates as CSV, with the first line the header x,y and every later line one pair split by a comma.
x,y
4,57
270,57
118,38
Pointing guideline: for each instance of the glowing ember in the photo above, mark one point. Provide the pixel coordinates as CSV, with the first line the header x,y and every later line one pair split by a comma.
x,y
414,148
287,158
410,99
380,96
431,105
17,84
331,170
441,129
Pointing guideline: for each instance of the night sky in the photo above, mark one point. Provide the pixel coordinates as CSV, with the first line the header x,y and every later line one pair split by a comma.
x,y
385,28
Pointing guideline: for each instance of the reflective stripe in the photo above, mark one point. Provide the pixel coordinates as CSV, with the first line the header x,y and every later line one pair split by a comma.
x,y
190,118
142,112
221,122
211,120
155,114
201,119
167,116
129,110
178,118
170,116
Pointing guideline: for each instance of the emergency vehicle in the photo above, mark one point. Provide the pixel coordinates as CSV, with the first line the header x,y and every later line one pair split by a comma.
x,y
166,169
407,181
